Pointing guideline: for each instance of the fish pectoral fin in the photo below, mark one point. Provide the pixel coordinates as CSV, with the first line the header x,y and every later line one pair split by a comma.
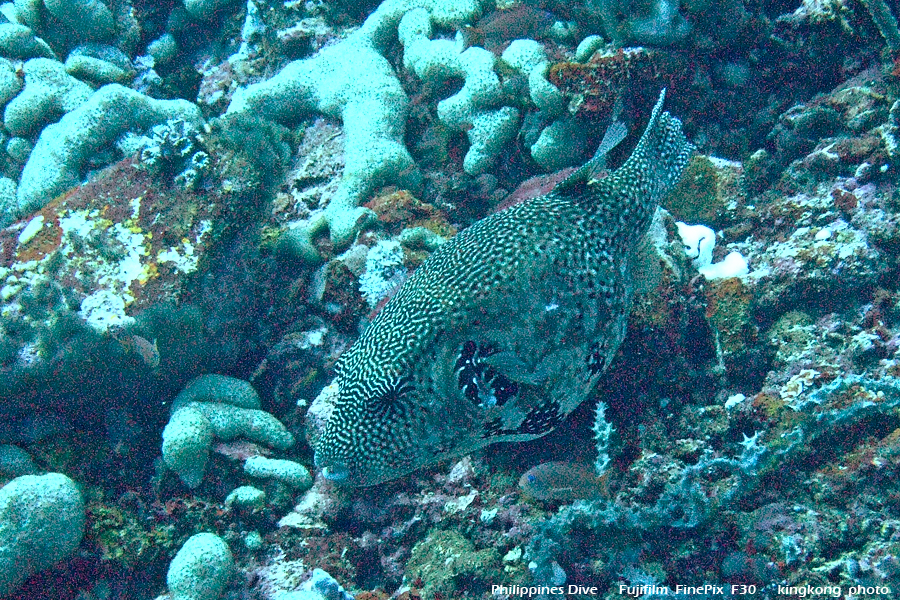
x,y
511,366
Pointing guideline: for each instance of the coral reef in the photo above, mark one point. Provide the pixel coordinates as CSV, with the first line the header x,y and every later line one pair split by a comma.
x,y
372,111
77,274
209,186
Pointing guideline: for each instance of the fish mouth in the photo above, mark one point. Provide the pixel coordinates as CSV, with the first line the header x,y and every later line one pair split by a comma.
x,y
334,470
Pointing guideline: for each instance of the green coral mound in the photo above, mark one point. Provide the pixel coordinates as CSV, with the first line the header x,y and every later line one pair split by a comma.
x,y
201,569
41,523
215,407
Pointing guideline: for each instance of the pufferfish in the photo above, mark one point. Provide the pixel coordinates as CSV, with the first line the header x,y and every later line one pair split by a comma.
x,y
505,329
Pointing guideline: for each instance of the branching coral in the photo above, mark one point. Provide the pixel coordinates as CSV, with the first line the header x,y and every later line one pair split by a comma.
x,y
172,149
476,106
373,110
714,483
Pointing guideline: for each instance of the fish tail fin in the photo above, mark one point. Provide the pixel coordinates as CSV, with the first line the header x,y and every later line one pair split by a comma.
x,y
658,160
635,189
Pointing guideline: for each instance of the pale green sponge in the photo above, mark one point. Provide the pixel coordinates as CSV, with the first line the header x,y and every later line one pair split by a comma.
x,y
92,19
64,148
476,107
49,92
373,110
201,569
41,523
288,472
210,407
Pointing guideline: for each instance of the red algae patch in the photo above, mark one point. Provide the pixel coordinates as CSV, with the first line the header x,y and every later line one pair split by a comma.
x,y
120,242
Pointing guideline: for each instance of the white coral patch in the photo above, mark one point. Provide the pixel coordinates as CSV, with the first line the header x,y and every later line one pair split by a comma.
x,y
183,257
32,229
113,255
733,265
104,309
130,267
797,386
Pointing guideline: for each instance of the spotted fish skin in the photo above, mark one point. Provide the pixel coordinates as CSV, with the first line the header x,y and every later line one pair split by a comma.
x,y
505,329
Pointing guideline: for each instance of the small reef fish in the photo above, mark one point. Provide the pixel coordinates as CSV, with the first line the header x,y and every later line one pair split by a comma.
x,y
497,28
562,482
505,329
147,351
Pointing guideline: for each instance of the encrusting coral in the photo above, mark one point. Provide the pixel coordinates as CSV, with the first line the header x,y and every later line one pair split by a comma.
x,y
59,156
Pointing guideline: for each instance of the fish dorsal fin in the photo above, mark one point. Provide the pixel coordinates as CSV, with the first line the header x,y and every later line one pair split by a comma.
x,y
615,133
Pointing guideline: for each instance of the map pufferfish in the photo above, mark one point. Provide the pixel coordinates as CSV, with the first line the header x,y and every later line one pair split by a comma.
x,y
505,329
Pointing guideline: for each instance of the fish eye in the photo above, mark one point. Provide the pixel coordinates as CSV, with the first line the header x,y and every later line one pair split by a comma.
x,y
532,479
